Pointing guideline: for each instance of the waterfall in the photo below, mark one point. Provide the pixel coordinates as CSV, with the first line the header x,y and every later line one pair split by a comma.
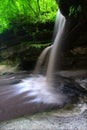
x,y
59,32
52,53
42,58
56,26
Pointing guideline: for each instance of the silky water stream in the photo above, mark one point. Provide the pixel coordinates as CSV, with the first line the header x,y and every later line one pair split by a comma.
x,y
39,92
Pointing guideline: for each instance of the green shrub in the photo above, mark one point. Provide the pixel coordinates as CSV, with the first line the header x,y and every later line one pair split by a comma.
x,y
31,11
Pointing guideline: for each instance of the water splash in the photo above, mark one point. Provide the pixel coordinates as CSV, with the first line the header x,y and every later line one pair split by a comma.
x,y
38,87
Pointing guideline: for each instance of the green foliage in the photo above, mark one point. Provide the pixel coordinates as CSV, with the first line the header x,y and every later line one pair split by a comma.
x,y
40,45
31,11
75,11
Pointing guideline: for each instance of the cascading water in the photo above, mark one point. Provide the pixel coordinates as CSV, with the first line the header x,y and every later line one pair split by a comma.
x,y
56,50
53,50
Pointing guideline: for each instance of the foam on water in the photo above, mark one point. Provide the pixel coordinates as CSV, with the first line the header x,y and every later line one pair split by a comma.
x,y
38,88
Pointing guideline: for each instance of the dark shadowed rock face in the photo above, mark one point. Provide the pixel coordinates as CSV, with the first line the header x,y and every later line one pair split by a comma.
x,y
65,5
76,17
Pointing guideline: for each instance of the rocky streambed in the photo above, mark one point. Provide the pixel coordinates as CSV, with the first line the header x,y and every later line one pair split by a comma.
x,y
75,119
72,116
